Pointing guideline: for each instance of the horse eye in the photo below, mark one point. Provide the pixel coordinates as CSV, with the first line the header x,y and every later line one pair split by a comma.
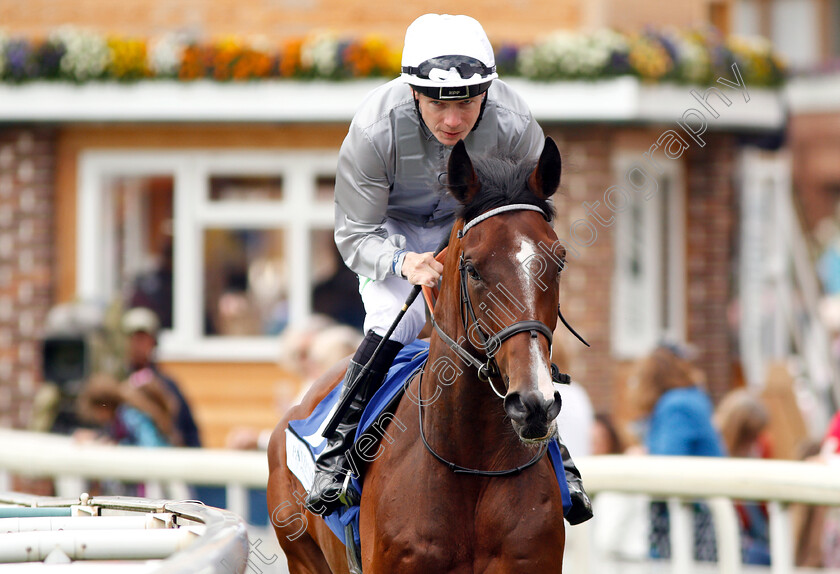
x,y
472,272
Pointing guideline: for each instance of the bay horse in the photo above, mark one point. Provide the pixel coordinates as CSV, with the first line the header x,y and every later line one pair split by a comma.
x,y
419,516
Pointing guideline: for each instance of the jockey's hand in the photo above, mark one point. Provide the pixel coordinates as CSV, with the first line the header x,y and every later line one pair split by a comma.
x,y
421,268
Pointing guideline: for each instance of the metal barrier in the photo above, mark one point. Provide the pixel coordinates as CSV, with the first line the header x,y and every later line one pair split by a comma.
x,y
132,534
678,480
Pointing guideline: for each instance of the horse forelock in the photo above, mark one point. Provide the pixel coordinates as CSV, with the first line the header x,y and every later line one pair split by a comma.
x,y
503,181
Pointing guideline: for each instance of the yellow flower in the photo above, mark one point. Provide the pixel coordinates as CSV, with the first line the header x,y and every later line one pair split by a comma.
x,y
128,58
649,58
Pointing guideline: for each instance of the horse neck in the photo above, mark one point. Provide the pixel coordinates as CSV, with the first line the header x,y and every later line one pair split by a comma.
x,y
467,422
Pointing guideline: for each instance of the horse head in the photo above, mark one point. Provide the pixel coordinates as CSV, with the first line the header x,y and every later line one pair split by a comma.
x,y
510,262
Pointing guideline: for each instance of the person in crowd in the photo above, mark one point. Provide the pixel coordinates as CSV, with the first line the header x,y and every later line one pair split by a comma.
x,y
676,420
390,209
153,290
742,420
307,352
575,421
122,414
142,327
830,448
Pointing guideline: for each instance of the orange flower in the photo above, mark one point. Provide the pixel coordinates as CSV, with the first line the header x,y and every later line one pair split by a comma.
x,y
192,65
290,58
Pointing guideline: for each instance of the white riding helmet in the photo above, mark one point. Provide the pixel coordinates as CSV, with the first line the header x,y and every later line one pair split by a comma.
x,y
448,57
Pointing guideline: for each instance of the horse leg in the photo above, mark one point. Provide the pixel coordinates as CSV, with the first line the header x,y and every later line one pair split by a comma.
x,y
307,559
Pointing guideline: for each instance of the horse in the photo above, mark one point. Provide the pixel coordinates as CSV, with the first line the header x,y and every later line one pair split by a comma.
x,y
461,485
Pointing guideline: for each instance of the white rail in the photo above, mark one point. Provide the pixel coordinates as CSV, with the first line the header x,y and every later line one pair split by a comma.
x,y
142,535
678,480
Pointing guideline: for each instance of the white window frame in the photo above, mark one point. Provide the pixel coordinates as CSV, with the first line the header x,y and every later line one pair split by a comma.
x,y
634,339
298,213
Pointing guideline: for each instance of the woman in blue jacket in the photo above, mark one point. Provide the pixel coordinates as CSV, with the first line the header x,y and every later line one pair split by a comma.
x,y
676,420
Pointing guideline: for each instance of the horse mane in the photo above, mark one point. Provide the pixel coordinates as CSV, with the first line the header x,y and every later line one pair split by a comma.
x,y
504,181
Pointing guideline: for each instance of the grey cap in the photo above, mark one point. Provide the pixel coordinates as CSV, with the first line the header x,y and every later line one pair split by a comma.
x,y
140,319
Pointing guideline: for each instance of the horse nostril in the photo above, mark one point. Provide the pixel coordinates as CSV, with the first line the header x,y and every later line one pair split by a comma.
x,y
553,406
515,408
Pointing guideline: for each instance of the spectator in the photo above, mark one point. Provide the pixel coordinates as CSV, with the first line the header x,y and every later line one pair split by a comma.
x,y
574,423
141,326
308,352
831,443
153,290
126,415
677,421
742,420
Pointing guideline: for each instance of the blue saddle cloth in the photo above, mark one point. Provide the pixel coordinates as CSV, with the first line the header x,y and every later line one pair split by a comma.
x,y
307,432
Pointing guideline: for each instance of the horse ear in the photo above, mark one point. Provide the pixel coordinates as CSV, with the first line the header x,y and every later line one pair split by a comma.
x,y
545,179
462,181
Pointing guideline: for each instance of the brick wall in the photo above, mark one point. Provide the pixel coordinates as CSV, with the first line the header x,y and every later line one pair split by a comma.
x,y
587,282
711,221
278,19
27,174
519,21
815,145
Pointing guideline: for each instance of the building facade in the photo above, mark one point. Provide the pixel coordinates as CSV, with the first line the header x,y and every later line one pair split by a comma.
x,y
214,201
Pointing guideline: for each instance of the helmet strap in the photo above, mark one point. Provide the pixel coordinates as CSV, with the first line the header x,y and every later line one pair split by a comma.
x,y
417,109
480,113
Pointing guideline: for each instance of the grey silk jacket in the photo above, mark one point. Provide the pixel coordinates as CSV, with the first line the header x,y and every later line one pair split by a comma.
x,y
391,167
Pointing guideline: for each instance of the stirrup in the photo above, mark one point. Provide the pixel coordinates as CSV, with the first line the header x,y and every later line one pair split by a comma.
x,y
348,496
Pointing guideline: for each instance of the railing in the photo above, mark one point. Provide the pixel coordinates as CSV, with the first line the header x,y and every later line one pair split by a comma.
x,y
163,471
133,534
677,480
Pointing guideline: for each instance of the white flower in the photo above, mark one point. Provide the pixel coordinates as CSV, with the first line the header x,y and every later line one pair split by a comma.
x,y
757,44
320,53
568,54
86,56
167,53
694,60
4,39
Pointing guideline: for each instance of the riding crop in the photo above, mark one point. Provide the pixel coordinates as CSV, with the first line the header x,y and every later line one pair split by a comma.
x,y
354,386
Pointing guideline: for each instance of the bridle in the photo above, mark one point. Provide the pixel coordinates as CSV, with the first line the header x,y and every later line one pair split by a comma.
x,y
488,369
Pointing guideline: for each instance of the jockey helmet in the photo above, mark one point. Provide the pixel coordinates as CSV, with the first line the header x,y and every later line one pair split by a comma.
x,y
447,57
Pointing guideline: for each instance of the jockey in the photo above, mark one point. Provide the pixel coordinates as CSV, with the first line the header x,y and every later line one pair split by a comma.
x,y
391,209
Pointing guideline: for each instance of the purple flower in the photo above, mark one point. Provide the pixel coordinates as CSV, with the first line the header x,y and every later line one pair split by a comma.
x,y
670,47
21,64
619,64
506,59
49,56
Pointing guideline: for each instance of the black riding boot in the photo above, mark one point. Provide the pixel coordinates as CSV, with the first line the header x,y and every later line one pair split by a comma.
x,y
581,510
325,496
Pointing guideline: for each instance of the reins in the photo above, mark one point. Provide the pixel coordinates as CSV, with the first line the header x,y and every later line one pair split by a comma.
x,y
458,469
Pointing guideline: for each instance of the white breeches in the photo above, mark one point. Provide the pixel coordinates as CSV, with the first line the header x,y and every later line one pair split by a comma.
x,y
384,299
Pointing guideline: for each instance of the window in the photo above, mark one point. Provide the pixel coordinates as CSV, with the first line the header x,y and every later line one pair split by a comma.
x,y
649,272
795,31
230,246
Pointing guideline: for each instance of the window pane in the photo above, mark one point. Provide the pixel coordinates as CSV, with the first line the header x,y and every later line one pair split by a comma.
x,y
335,288
246,188
138,242
246,282
325,188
